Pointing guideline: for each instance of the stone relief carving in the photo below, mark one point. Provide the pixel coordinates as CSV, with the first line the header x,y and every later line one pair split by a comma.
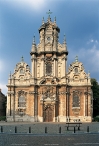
x,y
47,106
22,93
21,73
77,74
49,94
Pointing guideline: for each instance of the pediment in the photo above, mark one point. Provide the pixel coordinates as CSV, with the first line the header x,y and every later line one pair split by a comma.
x,y
76,73
43,81
22,71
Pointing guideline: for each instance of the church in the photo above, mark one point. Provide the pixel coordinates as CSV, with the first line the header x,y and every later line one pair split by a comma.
x,y
48,92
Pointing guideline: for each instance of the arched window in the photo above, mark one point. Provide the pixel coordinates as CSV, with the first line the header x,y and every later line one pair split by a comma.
x,y
21,101
48,68
76,70
21,71
27,67
76,101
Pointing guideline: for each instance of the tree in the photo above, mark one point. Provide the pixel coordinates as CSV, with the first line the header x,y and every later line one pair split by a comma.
x,y
95,89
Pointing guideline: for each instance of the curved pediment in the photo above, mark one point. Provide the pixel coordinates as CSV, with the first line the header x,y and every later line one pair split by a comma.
x,y
22,71
77,75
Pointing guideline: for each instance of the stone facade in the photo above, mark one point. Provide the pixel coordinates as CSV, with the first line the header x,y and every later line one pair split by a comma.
x,y
49,93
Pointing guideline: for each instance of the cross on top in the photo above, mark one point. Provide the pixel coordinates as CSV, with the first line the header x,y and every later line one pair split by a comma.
x,y
22,59
76,58
49,13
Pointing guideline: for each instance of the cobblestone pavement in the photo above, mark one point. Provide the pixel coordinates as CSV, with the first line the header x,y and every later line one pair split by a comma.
x,y
38,137
49,140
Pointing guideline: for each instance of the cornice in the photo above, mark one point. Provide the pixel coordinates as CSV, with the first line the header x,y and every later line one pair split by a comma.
x,y
49,52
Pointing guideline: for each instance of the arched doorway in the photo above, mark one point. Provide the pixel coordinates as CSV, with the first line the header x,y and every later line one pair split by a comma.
x,y
48,113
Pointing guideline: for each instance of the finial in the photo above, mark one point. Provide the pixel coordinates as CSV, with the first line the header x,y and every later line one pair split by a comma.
x,y
34,39
88,74
43,20
55,20
22,59
76,59
10,75
64,38
49,14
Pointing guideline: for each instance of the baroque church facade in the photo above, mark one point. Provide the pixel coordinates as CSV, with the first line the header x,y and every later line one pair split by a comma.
x,y
49,93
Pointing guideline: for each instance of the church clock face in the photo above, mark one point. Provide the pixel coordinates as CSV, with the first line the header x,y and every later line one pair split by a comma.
x,y
48,38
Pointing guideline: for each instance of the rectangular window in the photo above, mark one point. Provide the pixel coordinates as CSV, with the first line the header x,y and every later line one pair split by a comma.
x,y
48,68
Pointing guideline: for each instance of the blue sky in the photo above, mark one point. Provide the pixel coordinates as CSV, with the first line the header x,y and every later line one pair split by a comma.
x,y
21,19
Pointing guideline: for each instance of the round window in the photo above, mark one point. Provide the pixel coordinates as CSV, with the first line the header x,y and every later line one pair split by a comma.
x,y
48,38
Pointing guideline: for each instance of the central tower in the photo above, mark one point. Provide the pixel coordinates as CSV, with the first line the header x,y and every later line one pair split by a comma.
x,y
49,56
48,60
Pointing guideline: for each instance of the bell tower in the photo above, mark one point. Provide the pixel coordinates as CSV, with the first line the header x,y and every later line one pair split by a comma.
x,y
48,62
49,56
49,35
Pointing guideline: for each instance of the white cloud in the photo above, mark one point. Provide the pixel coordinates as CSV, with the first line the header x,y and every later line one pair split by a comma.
x,y
3,88
36,5
88,56
96,41
91,58
1,65
92,41
0,41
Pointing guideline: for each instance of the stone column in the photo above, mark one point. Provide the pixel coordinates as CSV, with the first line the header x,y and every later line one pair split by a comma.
x,y
8,105
33,65
35,68
65,66
54,46
54,68
84,106
12,103
43,67
35,104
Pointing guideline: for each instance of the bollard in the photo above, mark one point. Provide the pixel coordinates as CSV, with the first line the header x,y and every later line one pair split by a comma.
x,y
1,129
87,128
15,129
74,130
59,129
29,129
45,129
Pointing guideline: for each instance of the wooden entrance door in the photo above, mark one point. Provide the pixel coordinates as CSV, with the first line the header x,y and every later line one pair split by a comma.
x,y
48,114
